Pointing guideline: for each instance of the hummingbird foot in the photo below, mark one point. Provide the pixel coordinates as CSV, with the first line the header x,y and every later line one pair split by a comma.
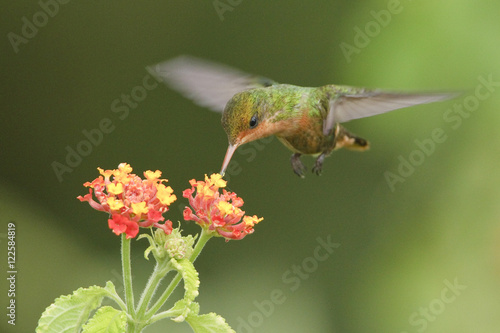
x,y
297,165
318,166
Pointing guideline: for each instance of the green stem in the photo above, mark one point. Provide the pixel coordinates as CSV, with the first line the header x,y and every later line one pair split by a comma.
x,y
133,328
127,276
204,237
162,315
114,296
159,272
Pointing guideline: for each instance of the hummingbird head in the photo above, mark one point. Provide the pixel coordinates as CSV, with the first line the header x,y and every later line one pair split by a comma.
x,y
245,119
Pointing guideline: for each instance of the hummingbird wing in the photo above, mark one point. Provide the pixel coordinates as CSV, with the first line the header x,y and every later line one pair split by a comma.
x,y
368,103
206,83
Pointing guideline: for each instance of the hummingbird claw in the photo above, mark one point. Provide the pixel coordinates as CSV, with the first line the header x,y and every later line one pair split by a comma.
x,y
318,166
297,165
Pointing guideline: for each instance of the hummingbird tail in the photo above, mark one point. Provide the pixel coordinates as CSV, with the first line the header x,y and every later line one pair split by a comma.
x,y
345,139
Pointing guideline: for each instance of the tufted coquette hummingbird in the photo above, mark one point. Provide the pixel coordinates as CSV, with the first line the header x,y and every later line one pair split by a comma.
x,y
306,120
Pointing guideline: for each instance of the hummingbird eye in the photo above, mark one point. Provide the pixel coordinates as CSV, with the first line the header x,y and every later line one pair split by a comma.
x,y
253,121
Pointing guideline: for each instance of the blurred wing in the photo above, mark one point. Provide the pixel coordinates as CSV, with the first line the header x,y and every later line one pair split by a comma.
x,y
206,83
369,103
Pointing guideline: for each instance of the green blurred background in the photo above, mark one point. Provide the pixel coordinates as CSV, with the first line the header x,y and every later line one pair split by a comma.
x,y
400,249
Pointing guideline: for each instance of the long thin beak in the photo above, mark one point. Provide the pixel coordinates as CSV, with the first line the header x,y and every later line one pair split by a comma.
x,y
227,158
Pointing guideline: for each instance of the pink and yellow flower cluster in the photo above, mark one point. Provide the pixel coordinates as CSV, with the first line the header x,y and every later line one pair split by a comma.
x,y
216,212
131,201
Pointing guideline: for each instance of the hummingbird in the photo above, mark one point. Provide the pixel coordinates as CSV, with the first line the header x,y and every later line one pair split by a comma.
x,y
307,120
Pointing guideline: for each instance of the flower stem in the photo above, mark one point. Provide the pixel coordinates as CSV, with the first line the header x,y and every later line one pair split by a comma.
x,y
204,237
127,275
159,272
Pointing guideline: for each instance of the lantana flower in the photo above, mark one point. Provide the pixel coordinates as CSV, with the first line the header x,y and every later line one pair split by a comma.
x,y
216,212
131,201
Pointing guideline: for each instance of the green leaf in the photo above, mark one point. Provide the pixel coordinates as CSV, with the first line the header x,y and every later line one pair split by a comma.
x,y
68,313
110,288
178,309
191,285
208,323
106,319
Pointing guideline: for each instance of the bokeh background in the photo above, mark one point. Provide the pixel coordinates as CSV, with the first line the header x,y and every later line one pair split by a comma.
x,y
422,256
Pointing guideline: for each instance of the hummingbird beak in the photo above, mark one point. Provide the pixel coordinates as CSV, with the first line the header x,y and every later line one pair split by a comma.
x,y
227,158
